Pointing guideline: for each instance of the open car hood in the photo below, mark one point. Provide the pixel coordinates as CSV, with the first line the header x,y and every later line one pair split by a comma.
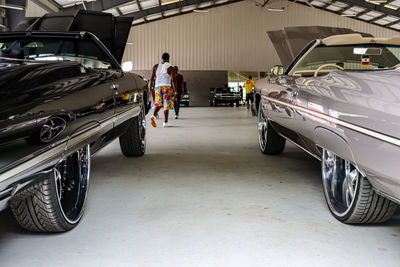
x,y
290,41
112,31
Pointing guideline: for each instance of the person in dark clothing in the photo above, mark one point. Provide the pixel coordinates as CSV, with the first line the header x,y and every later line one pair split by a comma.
x,y
241,93
179,91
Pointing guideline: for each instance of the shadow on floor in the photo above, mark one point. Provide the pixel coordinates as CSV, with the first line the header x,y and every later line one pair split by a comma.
x,y
293,166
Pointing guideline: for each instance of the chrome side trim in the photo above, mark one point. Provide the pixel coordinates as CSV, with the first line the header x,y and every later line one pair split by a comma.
x,y
26,168
28,165
302,148
350,126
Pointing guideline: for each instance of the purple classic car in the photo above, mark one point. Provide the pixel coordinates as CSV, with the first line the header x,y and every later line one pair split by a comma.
x,y
339,100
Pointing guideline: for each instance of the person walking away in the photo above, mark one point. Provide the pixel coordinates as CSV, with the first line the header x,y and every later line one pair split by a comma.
x,y
248,85
163,78
241,93
179,86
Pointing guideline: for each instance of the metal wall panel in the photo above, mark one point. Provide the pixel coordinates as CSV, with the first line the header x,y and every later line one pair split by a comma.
x,y
231,37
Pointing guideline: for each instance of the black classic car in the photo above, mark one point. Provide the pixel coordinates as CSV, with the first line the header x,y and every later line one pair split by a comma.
x,y
63,97
224,96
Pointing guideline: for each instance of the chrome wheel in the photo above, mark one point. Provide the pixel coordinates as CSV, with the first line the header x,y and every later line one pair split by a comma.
x,y
71,176
340,180
262,129
142,132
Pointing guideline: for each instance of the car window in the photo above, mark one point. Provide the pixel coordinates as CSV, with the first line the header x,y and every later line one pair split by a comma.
x,y
350,58
83,51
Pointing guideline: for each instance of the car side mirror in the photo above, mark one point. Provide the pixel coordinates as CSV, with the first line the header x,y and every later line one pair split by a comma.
x,y
127,66
277,70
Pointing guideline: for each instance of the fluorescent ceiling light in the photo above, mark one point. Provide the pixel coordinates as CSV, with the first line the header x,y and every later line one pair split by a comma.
x,y
377,1
276,9
349,15
12,7
391,7
169,2
200,11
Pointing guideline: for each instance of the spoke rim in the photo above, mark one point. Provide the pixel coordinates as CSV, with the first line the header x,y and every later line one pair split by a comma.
x,y
340,180
142,132
71,177
262,129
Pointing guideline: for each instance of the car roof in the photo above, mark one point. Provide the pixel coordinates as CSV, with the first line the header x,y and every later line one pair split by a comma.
x,y
356,38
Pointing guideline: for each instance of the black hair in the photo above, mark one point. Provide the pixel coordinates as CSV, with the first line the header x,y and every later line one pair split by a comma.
x,y
165,56
250,77
176,67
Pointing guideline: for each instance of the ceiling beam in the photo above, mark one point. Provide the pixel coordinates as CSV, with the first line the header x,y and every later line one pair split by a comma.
x,y
162,14
48,5
187,12
373,7
354,3
118,11
159,9
362,13
328,4
347,8
99,5
392,23
377,18
107,4
140,9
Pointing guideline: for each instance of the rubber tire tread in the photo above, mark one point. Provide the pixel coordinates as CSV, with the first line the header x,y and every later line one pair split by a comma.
x,y
275,144
370,207
130,142
37,209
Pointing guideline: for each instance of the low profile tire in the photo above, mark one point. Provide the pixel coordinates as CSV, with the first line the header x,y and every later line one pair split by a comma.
x,y
56,203
350,197
271,143
187,105
133,142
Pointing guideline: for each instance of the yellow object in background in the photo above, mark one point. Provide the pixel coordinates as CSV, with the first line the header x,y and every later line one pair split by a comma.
x,y
126,97
249,86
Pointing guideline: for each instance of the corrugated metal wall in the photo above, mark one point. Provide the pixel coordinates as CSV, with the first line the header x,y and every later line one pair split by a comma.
x,y
231,37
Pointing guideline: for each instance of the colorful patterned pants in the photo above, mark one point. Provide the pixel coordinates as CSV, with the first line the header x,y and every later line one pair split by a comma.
x,y
164,97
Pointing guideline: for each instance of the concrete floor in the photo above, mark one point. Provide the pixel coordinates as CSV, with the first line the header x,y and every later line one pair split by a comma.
x,y
205,196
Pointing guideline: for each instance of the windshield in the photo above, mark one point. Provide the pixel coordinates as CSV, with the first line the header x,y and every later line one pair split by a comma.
x,y
351,57
83,51
224,90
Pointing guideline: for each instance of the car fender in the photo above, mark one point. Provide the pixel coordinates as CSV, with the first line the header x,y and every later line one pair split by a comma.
x,y
329,140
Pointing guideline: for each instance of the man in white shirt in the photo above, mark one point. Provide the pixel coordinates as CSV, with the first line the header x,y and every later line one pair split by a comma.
x,y
163,80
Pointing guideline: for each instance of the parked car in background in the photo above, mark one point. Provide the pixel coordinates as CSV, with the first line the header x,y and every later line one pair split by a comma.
x,y
224,96
186,100
186,97
339,101
63,97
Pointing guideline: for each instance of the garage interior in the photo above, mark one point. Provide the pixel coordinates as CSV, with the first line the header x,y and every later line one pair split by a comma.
x,y
203,194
